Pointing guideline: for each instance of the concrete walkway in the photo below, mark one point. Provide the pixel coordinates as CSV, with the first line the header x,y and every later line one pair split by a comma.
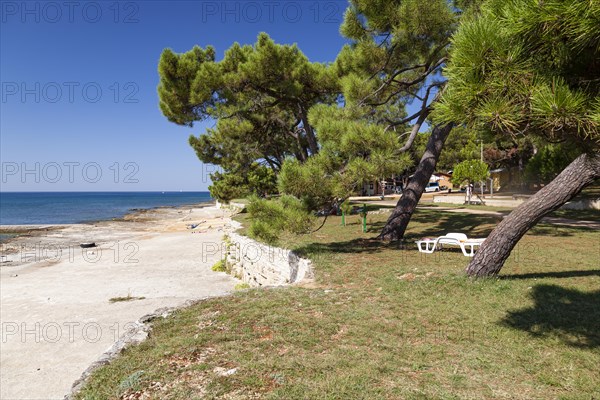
x,y
56,315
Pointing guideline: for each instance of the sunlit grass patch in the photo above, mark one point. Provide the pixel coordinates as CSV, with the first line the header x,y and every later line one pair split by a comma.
x,y
385,321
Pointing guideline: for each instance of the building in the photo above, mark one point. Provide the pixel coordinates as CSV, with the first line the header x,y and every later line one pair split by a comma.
x,y
442,178
374,188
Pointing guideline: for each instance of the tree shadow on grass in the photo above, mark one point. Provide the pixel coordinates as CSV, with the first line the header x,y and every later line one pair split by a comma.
x,y
554,274
439,224
354,246
570,314
432,224
475,224
436,223
550,230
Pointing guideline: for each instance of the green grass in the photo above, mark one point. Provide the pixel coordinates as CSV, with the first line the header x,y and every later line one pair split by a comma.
x,y
220,266
591,192
240,201
387,322
587,215
129,297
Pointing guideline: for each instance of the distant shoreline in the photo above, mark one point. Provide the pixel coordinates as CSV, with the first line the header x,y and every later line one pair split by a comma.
x,y
30,210
10,232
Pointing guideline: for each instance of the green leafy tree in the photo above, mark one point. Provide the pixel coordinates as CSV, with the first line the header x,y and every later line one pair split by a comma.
x,y
395,57
227,186
259,97
510,152
529,68
258,180
461,145
469,172
352,152
547,163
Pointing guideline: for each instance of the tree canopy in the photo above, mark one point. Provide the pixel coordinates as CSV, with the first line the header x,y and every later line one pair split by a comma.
x,y
259,97
529,69
395,58
470,171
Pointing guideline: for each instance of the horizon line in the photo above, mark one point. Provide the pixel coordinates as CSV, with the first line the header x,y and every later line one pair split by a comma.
x,y
104,191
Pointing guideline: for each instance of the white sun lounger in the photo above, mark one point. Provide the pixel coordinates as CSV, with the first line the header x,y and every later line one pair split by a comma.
x,y
456,239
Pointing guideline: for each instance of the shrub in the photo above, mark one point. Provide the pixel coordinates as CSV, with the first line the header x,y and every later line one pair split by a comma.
x,y
242,286
220,266
271,217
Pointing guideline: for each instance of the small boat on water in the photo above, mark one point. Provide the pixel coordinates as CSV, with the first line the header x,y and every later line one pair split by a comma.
x,y
87,245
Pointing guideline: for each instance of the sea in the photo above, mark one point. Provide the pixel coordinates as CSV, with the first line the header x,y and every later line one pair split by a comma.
x,y
41,208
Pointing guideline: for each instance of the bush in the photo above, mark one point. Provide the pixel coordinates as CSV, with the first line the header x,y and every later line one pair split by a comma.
x,y
220,266
346,207
549,162
271,217
241,286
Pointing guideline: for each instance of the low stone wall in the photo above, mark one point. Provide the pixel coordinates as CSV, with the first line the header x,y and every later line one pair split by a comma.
x,y
260,265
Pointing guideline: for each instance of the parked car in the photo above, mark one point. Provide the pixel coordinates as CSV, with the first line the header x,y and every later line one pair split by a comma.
x,y
432,187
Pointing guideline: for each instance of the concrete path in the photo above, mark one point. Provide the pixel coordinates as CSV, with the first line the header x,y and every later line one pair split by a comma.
x,y
55,312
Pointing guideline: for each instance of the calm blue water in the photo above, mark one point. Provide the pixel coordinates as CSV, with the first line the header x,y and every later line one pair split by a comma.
x,y
17,208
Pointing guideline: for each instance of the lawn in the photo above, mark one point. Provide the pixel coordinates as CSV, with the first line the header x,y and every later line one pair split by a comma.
x,y
386,322
586,215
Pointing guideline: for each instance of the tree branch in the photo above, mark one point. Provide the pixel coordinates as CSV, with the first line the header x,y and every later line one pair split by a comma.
x,y
415,129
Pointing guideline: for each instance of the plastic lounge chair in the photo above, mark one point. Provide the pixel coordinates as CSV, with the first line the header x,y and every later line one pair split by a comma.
x,y
455,239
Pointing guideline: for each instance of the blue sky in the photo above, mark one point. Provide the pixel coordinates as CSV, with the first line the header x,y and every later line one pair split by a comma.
x,y
79,109
58,132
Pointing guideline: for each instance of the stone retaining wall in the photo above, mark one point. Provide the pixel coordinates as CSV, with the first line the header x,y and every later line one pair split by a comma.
x,y
258,264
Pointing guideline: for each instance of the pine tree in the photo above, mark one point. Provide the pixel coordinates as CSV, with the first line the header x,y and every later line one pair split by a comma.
x,y
396,55
523,68
259,97
398,51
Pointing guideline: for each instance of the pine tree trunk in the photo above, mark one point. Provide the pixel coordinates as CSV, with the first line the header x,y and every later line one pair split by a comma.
x,y
398,221
490,258
310,133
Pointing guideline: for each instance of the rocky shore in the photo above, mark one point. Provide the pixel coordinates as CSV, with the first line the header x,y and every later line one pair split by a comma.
x,y
63,306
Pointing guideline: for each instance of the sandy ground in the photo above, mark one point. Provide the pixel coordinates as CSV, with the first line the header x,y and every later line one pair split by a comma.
x,y
55,311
